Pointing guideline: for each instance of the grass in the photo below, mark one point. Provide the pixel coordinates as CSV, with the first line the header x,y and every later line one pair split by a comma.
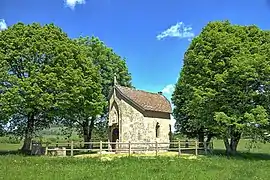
x,y
254,165
19,167
9,147
243,146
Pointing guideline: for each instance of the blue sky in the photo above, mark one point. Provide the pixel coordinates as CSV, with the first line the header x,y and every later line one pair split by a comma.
x,y
151,34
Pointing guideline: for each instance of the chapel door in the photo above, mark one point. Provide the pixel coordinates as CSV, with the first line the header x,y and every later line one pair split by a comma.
x,y
115,136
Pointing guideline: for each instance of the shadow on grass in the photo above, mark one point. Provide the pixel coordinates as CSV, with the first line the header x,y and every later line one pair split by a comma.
x,y
11,152
242,155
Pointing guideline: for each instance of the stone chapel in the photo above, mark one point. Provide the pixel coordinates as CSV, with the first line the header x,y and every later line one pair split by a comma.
x,y
138,116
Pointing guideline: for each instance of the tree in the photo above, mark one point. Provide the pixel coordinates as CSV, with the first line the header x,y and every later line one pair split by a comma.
x,y
44,75
224,84
2,129
109,65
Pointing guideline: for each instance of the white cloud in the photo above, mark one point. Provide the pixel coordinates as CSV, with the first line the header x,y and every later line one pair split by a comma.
x,y
3,24
179,30
168,89
72,3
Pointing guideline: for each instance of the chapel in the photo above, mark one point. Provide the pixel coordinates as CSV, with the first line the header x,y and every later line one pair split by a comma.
x,y
138,116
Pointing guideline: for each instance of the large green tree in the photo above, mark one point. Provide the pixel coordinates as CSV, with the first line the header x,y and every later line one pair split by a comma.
x,y
43,75
223,89
109,65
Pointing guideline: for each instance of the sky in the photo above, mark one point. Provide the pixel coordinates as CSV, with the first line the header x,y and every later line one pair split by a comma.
x,y
152,35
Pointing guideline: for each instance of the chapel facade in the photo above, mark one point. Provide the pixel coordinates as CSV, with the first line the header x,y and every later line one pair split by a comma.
x,y
138,116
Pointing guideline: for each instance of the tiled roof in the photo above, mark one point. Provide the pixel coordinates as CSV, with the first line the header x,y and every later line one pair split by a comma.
x,y
146,100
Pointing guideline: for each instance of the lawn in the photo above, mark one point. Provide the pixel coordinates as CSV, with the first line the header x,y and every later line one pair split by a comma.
x,y
18,167
254,165
243,146
9,147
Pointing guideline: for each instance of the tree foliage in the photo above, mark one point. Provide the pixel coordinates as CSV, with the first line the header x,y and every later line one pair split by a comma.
x,y
44,75
109,64
223,89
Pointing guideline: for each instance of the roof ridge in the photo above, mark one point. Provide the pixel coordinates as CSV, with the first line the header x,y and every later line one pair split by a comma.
x,y
167,99
140,90
117,87
146,100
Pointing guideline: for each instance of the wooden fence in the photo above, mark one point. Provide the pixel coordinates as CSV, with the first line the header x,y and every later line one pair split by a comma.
x,y
129,147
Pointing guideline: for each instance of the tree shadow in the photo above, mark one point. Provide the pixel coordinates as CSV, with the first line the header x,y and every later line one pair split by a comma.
x,y
10,152
242,155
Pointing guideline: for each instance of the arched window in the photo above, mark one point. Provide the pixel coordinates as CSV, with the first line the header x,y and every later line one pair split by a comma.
x,y
157,130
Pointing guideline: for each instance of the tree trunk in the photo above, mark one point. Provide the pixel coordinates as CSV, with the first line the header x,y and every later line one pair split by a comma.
x,y
201,139
227,146
234,142
209,137
88,127
231,146
28,135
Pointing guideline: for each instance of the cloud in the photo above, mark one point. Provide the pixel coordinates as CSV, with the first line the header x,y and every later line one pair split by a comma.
x,y
3,24
168,89
179,30
72,3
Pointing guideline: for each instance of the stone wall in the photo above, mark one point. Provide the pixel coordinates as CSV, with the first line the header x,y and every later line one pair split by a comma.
x,y
133,125
164,130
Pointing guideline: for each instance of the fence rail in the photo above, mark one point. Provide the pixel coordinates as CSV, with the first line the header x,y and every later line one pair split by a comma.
x,y
128,147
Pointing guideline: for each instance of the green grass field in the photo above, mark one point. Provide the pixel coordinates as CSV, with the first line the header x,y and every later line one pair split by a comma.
x,y
253,165
9,147
18,167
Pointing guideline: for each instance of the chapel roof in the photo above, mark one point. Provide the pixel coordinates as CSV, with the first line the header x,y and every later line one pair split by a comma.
x,y
146,100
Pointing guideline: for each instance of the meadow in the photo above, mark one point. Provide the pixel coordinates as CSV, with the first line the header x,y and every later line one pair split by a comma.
x,y
18,167
249,164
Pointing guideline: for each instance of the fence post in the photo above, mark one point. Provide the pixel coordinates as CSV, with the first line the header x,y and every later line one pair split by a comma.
x,y
179,148
46,148
205,147
31,145
156,148
56,143
109,146
196,148
129,148
187,144
100,147
71,153
116,146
